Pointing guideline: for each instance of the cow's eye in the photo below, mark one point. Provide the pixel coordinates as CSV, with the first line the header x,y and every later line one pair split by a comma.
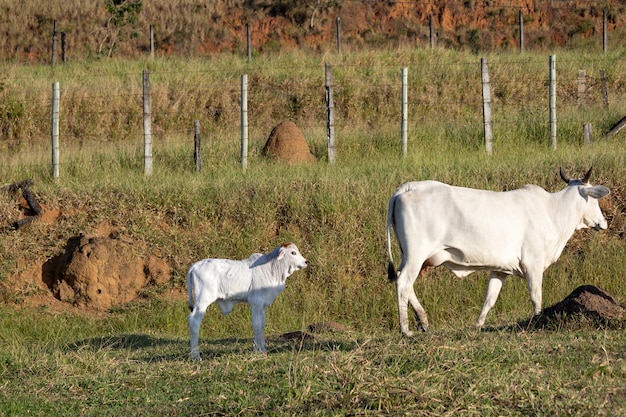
x,y
293,252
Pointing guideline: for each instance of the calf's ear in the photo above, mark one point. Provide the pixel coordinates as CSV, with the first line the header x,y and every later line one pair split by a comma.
x,y
281,252
597,191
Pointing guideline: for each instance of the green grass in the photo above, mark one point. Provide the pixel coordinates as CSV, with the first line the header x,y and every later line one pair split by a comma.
x,y
132,359
113,370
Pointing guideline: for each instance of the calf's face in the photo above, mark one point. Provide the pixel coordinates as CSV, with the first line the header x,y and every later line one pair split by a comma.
x,y
294,259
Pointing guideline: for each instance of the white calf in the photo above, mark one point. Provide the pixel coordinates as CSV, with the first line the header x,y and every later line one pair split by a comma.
x,y
257,281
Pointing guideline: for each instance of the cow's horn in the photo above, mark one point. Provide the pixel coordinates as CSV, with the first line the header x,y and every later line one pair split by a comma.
x,y
563,177
587,176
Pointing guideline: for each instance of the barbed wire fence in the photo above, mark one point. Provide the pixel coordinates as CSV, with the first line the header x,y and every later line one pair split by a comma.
x,y
404,99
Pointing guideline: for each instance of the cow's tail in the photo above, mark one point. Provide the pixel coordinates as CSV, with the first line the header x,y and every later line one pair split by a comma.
x,y
190,289
391,270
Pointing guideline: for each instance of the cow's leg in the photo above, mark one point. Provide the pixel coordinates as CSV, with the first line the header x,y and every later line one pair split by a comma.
x,y
494,286
258,326
419,310
195,320
535,281
406,293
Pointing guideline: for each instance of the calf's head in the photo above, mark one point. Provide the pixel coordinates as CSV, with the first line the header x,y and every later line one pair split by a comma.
x,y
290,254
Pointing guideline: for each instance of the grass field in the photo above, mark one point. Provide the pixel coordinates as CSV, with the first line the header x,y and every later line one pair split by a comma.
x,y
88,367
133,359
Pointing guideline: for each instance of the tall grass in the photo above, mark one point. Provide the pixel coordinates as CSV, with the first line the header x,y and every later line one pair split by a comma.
x,y
335,213
101,101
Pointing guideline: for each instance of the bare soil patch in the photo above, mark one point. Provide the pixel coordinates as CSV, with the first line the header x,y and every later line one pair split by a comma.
x,y
99,272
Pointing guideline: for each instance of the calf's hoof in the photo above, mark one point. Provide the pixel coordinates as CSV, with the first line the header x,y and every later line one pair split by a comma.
x,y
195,356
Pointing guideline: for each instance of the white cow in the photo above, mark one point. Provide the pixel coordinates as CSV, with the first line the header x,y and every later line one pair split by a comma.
x,y
519,232
257,281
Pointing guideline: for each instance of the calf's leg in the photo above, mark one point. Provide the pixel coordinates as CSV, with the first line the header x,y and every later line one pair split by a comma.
x,y
195,320
258,327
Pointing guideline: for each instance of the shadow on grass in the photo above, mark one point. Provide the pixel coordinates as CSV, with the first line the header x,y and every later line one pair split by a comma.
x,y
157,348
560,322
276,344
149,348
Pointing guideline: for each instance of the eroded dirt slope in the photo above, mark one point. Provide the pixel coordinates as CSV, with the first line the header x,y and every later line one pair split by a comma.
x,y
194,27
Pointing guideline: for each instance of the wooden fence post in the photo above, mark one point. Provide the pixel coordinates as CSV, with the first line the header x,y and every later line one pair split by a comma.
x,y
330,113
521,31
54,43
553,101
151,42
484,64
604,34
605,93
582,87
618,126
197,156
63,46
432,31
339,35
405,108
249,41
56,99
587,134
244,121
147,125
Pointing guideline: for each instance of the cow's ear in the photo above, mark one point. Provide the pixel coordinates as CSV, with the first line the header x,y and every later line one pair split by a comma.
x,y
597,191
281,253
